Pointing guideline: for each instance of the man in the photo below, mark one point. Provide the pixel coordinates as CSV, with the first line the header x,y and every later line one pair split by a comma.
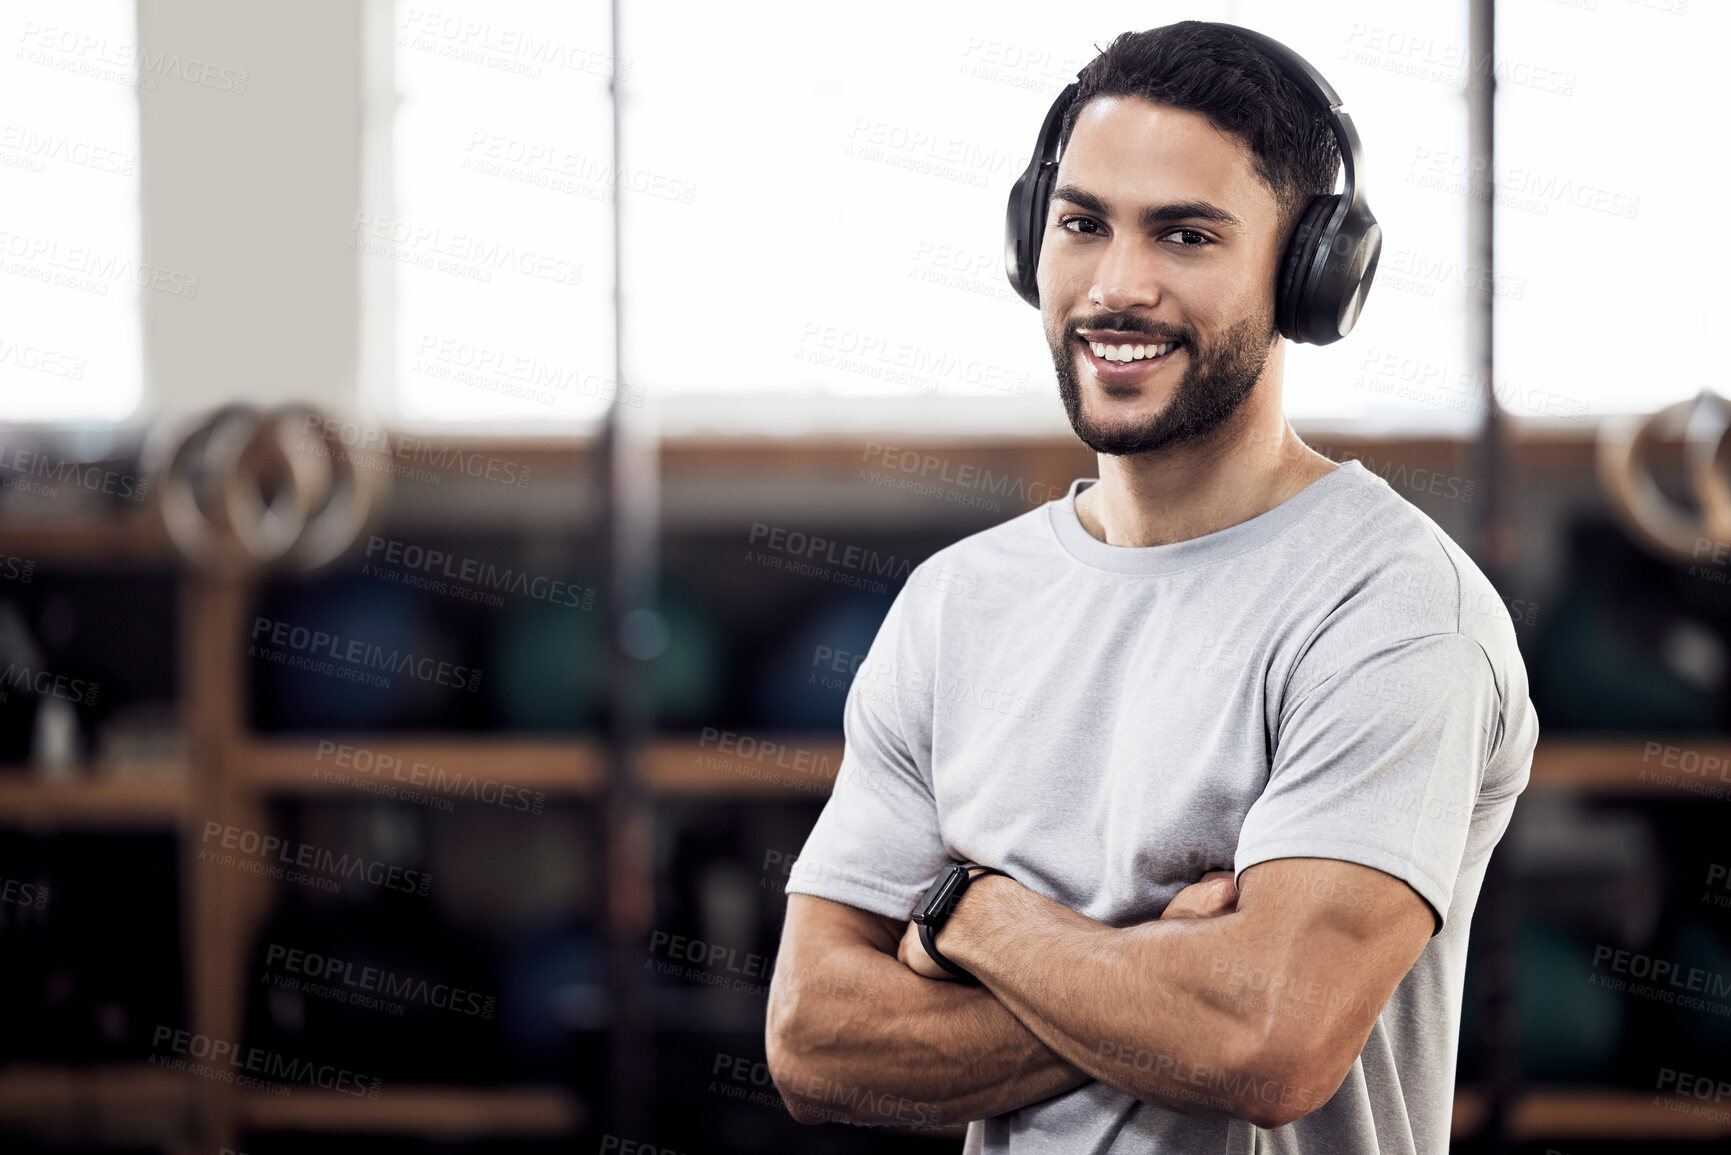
x,y
1235,721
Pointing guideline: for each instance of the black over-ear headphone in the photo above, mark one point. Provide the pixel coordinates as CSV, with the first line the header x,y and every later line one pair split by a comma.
x,y
1329,262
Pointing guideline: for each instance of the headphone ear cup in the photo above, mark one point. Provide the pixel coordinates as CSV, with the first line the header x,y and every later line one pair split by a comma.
x,y
1044,183
1290,300
1017,259
1340,286
1024,225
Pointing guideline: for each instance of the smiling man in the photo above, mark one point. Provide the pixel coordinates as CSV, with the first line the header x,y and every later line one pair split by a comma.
x,y
1208,886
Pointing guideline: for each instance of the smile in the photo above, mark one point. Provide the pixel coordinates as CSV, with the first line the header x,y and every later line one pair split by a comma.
x,y
1130,352
1127,364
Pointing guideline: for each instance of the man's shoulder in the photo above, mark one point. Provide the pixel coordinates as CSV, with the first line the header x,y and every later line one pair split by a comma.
x,y
1394,564
1005,548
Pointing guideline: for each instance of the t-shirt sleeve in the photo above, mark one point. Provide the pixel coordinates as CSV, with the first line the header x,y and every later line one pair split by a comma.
x,y
1380,761
876,844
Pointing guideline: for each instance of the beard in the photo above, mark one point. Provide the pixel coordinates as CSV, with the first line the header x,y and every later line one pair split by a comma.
x,y
1215,383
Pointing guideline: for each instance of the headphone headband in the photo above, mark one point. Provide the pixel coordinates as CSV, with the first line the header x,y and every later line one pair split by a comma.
x,y
1300,72
1330,259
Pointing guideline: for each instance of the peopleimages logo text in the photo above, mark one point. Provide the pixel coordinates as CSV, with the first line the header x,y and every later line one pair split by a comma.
x,y
356,652
269,1065
302,854
812,548
379,981
472,571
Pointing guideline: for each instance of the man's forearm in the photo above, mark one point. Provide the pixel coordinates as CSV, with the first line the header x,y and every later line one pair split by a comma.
x,y
857,1036
1145,1021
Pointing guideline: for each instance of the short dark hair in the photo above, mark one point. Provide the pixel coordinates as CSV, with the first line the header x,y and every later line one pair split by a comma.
x,y
1211,70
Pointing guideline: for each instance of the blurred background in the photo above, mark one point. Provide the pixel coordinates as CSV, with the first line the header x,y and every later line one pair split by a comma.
x,y
453,458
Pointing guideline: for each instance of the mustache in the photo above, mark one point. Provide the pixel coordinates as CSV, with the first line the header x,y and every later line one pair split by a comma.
x,y
1127,323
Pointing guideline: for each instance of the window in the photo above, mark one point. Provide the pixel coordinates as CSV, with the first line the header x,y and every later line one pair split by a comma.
x,y
498,239
846,236
1611,252
812,230
70,269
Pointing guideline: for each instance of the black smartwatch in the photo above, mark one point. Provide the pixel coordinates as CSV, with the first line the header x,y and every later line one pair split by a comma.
x,y
939,903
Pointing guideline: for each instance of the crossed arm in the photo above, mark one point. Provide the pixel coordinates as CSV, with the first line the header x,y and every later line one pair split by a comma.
x,y
1251,1003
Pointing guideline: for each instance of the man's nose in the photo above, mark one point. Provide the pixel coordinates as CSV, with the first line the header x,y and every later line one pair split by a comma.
x,y
1126,276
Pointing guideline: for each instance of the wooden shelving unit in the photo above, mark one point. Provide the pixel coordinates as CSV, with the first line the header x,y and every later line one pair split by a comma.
x,y
227,776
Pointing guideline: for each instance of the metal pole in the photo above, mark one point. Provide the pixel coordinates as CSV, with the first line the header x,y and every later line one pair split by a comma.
x,y
1492,546
627,465
1493,531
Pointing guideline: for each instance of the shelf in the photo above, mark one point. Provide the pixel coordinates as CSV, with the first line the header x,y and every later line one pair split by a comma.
x,y
760,764
141,1097
1586,1113
774,764
453,766
134,797
419,1110
790,764
771,764
134,538
1618,765
110,1098
138,1098
780,764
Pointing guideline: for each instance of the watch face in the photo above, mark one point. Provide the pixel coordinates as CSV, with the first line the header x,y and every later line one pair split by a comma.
x,y
941,899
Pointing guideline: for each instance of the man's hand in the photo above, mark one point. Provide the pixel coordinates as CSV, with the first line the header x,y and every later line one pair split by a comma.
x,y
913,955
1215,894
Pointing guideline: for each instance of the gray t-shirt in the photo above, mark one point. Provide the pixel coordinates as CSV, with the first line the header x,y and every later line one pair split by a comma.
x,y
1334,678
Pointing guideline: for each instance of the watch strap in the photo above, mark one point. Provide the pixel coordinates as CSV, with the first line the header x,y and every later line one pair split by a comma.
x,y
929,933
928,939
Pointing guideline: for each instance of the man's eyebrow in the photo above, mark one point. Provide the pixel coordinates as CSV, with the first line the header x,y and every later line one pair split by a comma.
x,y
1152,216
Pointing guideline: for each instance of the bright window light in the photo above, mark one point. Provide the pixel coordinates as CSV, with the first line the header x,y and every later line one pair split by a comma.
x,y
1606,232
70,268
500,233
814,215
845,239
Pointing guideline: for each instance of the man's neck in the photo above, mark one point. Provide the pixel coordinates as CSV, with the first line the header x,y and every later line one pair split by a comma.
x,y
1246,468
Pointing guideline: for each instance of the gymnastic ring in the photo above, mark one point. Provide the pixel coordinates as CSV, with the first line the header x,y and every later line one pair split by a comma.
x,y
244,489
352,492
1653,518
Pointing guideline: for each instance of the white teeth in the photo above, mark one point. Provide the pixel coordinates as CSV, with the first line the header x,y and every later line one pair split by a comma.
x,y
1123,353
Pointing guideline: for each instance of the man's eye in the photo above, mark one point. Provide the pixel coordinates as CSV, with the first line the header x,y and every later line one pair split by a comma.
x,y
1093,224
1200,239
